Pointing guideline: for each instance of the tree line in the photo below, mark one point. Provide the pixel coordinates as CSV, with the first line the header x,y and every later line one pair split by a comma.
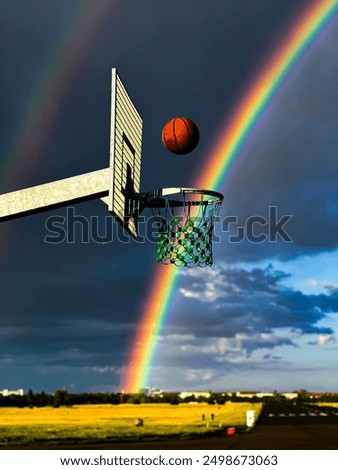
x,y
64,398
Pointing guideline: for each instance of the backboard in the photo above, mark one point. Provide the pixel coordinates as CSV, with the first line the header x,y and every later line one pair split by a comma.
x,y
125,155
185,216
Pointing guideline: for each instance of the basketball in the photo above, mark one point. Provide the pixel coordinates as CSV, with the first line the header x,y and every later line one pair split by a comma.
x,y
180,135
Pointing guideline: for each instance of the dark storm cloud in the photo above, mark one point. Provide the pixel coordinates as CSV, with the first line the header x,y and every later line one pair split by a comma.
x,y
234,320
195,351
233,301
64,348
291,162
72,309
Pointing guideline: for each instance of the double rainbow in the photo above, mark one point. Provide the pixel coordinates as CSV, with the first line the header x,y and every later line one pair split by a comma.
x,y
247,113
41,112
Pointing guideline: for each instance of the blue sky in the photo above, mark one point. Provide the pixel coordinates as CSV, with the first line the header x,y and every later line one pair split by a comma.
x,y
264,316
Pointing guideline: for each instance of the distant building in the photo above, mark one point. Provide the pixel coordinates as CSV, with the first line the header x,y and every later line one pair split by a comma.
x,y
6,393
315,394
252,394
154,392
290,395
264,394
197,394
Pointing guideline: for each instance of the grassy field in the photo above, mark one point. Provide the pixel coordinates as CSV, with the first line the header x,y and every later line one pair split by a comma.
x,y
333,405
106,423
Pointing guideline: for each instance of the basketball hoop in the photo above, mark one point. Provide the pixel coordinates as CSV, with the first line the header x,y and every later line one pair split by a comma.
x,y
185,216
185,219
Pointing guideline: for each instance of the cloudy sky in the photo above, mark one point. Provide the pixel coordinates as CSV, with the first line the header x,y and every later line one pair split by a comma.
x,y
264,316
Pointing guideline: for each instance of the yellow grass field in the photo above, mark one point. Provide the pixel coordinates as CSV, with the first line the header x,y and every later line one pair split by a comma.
x,y
333,405
104,423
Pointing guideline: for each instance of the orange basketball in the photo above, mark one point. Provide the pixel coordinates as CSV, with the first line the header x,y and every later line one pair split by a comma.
x,y
180,135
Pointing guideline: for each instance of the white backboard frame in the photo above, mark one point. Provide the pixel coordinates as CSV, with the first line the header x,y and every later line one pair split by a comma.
x,y
125,155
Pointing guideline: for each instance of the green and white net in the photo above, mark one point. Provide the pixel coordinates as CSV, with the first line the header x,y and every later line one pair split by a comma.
x,y
185,228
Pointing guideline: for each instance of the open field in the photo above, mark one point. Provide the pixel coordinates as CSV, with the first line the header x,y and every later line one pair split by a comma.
x,y
116,423
331,405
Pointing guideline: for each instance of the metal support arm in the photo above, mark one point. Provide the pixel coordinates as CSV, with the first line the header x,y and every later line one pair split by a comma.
x,y
58,193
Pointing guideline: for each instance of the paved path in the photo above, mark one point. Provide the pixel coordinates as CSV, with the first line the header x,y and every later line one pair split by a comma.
x,y
289,427
289,437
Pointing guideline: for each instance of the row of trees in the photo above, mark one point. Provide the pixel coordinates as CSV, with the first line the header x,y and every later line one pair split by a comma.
x,y
63,398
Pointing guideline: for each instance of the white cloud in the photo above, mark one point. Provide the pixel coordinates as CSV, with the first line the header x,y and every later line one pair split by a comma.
x,y
209,286
322,340
215,285
199,375
100,370
186,349
329,286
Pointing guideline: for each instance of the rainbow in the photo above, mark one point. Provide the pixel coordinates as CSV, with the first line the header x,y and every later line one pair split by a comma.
x,y
26,145
46,99
246,115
